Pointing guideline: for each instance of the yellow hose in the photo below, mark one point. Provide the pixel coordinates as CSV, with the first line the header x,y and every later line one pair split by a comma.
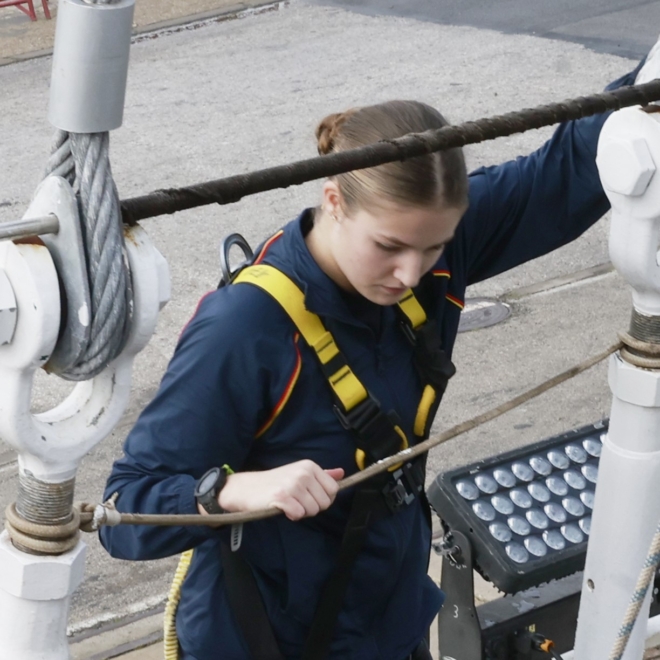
x,y
171,643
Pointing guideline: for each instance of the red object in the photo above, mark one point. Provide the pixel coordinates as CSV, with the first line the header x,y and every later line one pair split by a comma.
x,y
30,7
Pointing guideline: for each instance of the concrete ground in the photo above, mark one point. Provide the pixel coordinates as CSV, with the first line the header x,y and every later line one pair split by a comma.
x,y
232,96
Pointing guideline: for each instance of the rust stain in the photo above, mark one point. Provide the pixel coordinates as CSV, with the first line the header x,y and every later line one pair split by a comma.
x,y
128,235
29,240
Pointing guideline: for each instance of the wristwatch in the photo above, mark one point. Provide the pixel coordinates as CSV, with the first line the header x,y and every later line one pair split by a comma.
x,y
208,487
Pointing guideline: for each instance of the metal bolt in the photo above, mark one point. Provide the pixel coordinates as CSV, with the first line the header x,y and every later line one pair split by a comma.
x,y
7,309
625,166
30,227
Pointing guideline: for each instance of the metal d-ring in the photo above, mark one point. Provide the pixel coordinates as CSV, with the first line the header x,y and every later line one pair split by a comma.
x,y
225,246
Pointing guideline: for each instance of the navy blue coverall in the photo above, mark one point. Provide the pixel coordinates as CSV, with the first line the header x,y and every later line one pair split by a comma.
x,y
239,358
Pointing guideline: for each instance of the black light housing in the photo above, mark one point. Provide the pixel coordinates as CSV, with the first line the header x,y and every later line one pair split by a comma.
x,y
527,513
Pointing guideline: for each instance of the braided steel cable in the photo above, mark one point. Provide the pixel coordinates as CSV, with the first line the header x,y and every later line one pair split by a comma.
x,y
60,161
234,188
109,280
83,160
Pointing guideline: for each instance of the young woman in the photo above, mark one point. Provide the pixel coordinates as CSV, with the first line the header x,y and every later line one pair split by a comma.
x,y
247,394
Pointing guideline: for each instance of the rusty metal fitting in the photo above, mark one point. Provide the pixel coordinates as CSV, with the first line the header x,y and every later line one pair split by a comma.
x,y
44,503
644,327
641,344
43,521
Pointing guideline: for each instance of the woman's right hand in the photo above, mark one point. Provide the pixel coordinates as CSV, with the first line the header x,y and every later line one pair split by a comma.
x,y
299,489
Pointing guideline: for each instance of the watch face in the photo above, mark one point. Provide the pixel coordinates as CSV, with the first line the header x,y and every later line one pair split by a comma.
x,y
207,482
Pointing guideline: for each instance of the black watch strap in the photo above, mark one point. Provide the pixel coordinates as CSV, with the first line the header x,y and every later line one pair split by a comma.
x,y
208,487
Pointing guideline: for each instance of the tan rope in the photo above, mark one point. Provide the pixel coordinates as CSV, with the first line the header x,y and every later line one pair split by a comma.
x,y
639,353
219,520
42,539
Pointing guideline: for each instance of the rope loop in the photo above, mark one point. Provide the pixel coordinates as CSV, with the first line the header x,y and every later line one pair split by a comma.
x,y
42,539
639,353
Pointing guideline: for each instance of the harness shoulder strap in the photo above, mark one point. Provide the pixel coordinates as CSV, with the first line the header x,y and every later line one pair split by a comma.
x,y
345,385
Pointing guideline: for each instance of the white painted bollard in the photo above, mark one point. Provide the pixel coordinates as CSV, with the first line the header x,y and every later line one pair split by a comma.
x,y
627,503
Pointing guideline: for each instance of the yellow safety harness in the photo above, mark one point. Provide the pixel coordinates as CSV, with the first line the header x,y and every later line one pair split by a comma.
x,y
348,391
377,434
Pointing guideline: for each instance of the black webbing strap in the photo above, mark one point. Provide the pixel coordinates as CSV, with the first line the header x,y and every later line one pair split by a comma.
x,y
374,430
367,506
247,607
431,361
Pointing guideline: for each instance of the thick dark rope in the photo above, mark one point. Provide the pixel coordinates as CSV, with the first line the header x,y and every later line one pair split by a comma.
x,y
234,188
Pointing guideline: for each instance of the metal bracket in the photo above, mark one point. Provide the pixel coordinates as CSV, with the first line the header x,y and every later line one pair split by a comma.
x,y
459,631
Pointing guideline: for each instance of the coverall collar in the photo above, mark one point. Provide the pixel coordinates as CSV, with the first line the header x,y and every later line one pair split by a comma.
x,y
322,295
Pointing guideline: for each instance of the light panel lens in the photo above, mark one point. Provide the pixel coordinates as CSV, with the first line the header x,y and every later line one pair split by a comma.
x,y
538,505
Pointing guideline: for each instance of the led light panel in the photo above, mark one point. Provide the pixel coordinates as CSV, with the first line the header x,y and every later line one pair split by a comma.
x,y
527,512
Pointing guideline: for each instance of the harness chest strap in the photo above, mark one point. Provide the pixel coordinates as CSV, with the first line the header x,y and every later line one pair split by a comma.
x,y
356,408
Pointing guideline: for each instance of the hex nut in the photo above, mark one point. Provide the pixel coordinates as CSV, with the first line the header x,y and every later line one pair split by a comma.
x,y
7,310
625,166
633,385
36,577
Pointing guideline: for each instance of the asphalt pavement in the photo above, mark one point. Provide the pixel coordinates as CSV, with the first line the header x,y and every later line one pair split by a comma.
x,y
606,26
224,97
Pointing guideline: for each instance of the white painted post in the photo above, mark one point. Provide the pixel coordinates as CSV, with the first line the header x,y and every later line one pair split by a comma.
x,y
35,590
627,503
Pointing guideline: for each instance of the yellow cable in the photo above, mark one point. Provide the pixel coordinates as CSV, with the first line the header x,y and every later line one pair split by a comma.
x,y
170,641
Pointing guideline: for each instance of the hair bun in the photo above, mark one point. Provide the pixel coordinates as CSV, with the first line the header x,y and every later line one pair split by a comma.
x,y
329,129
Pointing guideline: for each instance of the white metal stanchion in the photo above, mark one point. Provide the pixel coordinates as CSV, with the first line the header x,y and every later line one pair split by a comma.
x,y
627,503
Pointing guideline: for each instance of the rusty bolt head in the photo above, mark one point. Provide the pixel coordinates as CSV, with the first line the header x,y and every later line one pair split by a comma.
x,y
625,166
7,309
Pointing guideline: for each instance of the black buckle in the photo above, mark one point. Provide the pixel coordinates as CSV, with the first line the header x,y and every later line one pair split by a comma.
x,y
360,417
403,487
376,435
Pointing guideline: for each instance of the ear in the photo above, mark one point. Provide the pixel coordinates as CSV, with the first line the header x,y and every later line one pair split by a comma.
x,y
332,199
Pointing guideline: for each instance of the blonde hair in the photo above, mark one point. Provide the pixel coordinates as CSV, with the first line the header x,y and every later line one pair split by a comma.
x,y
438,178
